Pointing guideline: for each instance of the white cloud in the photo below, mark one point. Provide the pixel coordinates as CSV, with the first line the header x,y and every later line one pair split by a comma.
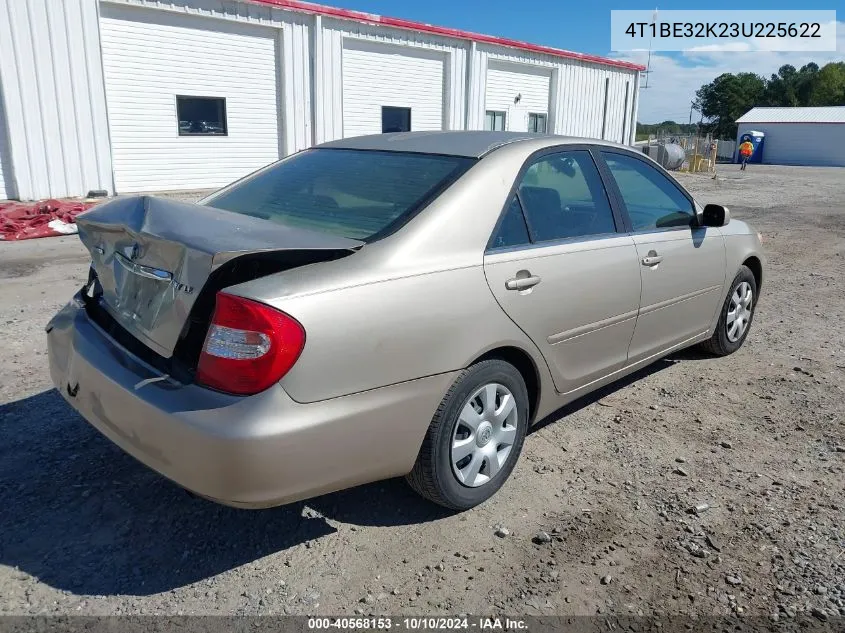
x,y
673,81
730,47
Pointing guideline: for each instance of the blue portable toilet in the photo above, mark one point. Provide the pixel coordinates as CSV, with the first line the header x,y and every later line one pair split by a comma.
x,y
756,139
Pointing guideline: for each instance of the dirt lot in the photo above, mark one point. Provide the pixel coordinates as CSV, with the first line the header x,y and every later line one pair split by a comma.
x,y
758,436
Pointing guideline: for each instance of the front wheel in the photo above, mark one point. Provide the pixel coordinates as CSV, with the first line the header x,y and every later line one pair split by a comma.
x,y
475,437
736,316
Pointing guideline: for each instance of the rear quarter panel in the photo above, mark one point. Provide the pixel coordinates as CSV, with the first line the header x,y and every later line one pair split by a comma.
x,y
385,332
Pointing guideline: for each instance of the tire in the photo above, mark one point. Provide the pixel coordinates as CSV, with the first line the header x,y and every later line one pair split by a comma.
x,y
721,343
434,475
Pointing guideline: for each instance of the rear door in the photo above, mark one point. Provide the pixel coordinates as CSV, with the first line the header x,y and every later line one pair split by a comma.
x,y
682,265
562,270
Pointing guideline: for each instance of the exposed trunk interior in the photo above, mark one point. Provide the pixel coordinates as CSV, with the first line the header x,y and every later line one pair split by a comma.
x,y
157,265
183,363
155,258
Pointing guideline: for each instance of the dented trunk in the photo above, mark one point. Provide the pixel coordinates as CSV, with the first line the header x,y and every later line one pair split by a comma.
x,y
158,263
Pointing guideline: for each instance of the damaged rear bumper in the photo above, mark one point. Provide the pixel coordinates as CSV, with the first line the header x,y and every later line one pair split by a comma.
x,y
256,451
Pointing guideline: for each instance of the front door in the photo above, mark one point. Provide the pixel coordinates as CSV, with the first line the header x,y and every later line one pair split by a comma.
x,y
561,271
682,265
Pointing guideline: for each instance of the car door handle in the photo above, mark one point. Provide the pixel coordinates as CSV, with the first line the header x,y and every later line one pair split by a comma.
x,y
522,283
652,259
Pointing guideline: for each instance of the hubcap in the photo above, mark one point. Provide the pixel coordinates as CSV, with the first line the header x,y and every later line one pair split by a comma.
x,y
484,435
739,311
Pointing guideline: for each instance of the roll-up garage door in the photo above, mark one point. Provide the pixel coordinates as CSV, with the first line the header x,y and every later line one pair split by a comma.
x,y
520,93
192,101
388,88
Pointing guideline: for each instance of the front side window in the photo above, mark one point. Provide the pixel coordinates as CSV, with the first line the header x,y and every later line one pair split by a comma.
x,y
201,116
537,122
563,197
395,119
352,193
494,120
651,199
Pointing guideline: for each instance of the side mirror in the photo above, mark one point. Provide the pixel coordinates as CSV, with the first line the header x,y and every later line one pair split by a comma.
x,y
715,215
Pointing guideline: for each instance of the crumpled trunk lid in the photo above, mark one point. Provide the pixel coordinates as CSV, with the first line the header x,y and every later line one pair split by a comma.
x,y
152,257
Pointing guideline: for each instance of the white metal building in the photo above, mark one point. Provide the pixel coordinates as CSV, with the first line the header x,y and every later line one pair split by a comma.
x,y
154,95
799,136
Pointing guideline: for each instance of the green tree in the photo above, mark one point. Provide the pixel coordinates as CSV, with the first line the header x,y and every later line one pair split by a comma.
x,y
829,87
667,128
791,87
726,98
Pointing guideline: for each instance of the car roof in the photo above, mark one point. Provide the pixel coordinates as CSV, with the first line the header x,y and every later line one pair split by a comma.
x,y
472,144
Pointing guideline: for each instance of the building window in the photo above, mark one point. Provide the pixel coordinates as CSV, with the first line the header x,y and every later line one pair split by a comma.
x,y
201,116
395,119
537,122
495,120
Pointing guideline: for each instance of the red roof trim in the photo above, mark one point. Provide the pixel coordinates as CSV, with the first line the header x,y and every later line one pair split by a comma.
x,y
790,123
399,23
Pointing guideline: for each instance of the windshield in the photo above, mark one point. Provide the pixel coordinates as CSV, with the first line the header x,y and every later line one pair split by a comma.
x,y
352,193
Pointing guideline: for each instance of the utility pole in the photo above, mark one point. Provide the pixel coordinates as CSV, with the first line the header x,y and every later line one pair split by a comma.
x,y
647,70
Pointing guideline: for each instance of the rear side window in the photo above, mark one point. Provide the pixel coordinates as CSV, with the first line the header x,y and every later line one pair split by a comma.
x,y
651,199
563,197
352,193
512,231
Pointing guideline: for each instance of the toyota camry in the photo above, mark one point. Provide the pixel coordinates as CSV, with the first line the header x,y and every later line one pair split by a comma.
x,y
393,305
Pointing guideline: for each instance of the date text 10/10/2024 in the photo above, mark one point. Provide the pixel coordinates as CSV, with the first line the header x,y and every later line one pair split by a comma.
x,y
417,623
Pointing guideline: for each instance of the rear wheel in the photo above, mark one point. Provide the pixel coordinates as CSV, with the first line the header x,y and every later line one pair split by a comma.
x,y
475,437
736,316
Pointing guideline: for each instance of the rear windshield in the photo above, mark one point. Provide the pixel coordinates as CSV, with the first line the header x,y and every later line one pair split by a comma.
x,y
353,193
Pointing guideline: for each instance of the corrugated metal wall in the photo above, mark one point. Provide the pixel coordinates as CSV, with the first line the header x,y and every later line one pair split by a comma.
x,y
617,107
296,108
576,92
7,189
55,100
53,95
818,144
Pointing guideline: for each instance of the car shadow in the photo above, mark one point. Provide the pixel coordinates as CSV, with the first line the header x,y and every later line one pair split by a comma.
x,y
81,515
688,354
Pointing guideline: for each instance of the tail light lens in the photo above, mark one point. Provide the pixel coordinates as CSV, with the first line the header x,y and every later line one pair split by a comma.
x,y
249,346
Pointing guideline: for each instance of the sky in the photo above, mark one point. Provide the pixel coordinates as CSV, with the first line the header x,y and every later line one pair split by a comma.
x,y
674,77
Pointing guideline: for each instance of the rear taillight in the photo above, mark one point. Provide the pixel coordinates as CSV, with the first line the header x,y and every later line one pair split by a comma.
x,y
249,346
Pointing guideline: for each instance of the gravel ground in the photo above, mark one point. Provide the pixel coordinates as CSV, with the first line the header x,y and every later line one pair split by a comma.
x,y
599,516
